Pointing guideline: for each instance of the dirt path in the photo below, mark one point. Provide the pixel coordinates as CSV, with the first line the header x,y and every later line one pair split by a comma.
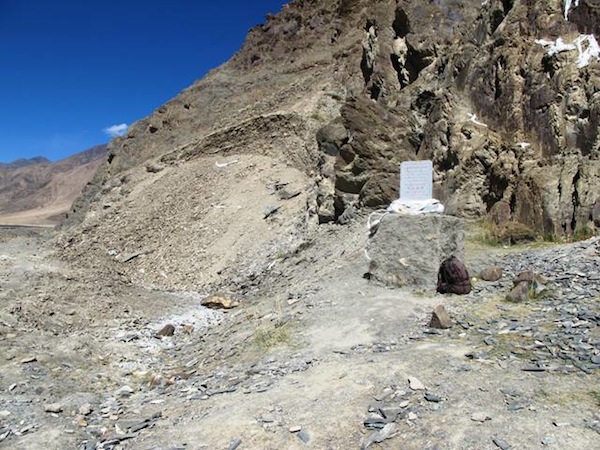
x,y
319,349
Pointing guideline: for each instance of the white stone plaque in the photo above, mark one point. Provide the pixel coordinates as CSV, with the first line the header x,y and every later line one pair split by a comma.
x,y
416,180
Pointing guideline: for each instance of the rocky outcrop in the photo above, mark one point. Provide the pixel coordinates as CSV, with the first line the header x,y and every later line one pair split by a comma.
x,y
345,90
513,132
587,16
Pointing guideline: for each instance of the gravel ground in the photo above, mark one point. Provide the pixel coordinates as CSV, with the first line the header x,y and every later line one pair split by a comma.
x,y
315,355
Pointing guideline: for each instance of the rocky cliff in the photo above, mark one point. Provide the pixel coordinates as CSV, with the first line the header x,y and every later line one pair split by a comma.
x,y
342,91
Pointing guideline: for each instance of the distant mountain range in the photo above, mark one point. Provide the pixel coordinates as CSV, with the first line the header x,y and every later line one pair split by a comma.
x,y
37,191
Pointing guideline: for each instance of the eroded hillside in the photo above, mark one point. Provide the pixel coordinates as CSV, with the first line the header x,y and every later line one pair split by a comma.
x,y
345,90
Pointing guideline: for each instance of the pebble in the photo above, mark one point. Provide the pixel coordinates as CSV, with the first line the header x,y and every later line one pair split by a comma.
x,y
480,417
234,444
562,316
415,384
516,406
380,436
390,413
432,397
125,391
53,408
501,443
303,436
28,359
548,440
4,413
85,409
374,422
295,428
493,273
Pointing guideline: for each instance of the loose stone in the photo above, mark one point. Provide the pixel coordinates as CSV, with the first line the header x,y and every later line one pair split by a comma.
x,y
167,330
125,391
234,444
303,436
480,417
415,384
493,273
53,408
440,318
85,409
501,443
432,397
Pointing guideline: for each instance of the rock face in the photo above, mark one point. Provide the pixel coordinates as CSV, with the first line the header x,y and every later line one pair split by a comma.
x,y
408,250
343,91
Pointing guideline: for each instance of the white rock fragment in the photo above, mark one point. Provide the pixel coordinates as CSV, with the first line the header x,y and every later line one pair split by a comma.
x,y
555,47
586,45
480,417
85,409
53,408
568,5
415,384
473,118
125,391
225,164
588,49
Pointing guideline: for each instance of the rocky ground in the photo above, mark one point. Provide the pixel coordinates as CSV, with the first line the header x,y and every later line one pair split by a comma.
x,y
314,356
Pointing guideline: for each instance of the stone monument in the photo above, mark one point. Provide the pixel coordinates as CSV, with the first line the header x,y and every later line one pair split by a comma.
x,y
407,249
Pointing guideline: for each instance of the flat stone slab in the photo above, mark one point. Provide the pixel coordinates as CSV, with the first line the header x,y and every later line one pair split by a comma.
x,y
407,250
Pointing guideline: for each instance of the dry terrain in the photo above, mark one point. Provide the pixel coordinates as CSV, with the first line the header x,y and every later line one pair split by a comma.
x,y
313,352
252,189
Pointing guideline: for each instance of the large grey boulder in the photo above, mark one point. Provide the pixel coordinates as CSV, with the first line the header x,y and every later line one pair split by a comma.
x,y
408,250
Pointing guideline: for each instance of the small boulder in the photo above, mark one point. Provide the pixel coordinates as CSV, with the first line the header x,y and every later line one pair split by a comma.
x,y
493,273
529,276
440,318
528,284
519,293
153,167
219,301
167,330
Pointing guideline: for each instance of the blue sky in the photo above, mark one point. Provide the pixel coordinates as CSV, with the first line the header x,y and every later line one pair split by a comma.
x,y
69,70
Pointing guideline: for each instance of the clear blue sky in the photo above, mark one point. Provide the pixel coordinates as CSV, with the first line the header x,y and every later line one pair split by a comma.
x,y
71,69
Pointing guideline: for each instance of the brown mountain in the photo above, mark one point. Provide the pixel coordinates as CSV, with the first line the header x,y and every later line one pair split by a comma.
x,y
38,192
347,89
339,93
